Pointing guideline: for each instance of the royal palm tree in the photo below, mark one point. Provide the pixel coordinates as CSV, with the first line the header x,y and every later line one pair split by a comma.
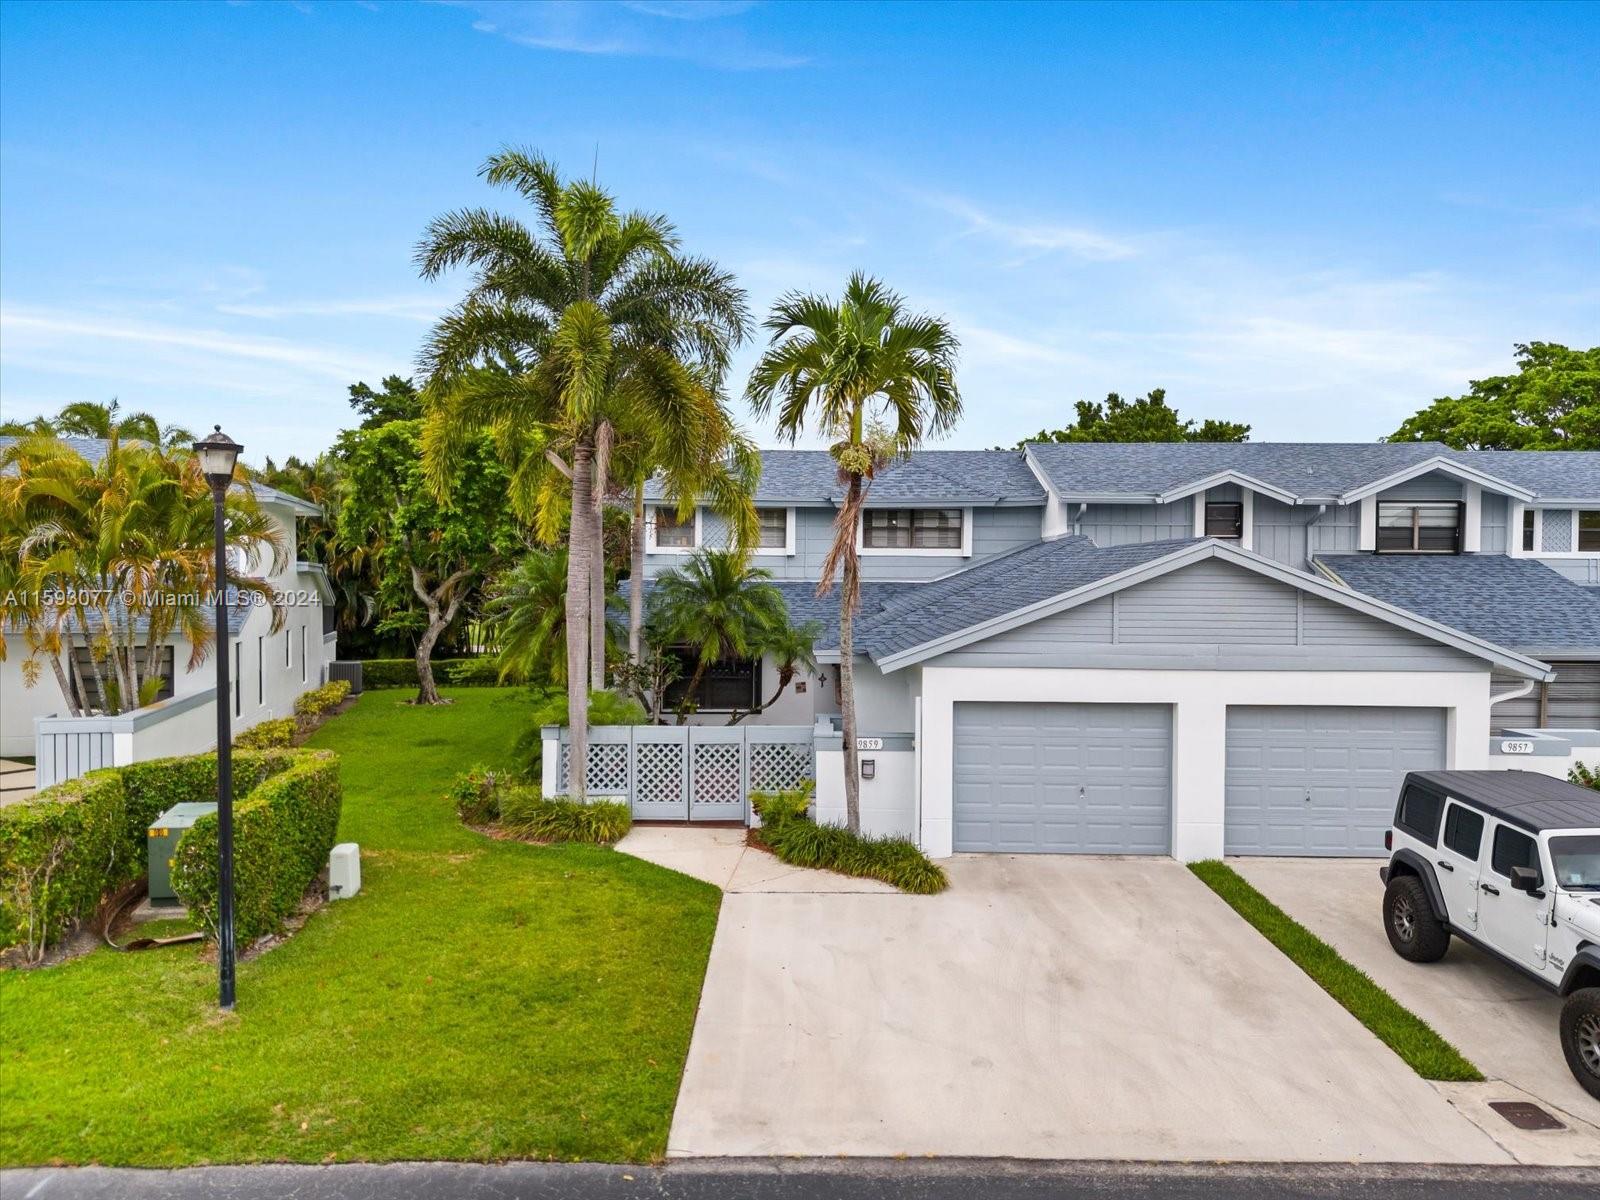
x,y
573,334
876,380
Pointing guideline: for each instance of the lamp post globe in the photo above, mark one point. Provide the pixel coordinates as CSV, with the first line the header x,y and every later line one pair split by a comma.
x,y
219,455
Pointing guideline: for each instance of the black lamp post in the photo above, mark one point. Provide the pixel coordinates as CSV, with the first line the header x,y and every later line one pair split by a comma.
x,y
218,454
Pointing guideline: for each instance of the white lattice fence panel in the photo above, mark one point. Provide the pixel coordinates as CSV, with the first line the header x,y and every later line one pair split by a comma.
x,y
716,781
608,768
658,773
779,766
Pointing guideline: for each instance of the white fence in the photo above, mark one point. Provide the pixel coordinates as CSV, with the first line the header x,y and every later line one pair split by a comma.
x,y
685,772
67,747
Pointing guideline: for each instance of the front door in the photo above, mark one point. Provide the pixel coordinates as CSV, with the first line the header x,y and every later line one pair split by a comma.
x,y
1509,921
1460,846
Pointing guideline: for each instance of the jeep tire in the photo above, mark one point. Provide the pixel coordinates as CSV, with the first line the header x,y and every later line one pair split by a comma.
x,y
1414,932
1580,1037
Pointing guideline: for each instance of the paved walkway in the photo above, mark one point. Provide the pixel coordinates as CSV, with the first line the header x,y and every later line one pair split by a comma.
x,y
16,781
1044,1007
720,855
1502,1021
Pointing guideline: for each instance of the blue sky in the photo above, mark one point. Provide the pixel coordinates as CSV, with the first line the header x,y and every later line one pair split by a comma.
x,y
1313,218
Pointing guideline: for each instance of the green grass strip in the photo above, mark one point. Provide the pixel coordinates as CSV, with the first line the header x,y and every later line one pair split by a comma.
x,y
1407,1034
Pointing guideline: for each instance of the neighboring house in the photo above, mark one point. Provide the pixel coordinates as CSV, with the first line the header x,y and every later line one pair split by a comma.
x,y
1193,649
269,669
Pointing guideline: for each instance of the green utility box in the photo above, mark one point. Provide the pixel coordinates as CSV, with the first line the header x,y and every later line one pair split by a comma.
x,y
164,834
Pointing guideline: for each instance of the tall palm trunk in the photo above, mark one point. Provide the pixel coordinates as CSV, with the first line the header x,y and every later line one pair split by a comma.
x,y
579,555
74,707
636,577
847,673
94,663
597,599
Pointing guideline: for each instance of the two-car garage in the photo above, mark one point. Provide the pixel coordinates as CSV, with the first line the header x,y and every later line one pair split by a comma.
x,y
1085,778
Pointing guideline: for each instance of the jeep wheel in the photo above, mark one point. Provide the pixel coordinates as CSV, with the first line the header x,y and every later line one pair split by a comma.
x,y
1580,1037
1414,932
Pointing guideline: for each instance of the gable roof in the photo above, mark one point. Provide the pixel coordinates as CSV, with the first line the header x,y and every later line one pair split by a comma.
x,y
1516,602
1549,474
92,450
979,477
1051,577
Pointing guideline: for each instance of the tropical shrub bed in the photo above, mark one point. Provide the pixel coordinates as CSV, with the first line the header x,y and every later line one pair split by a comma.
x,y
282,833
492,799
789,832
63,851
320,701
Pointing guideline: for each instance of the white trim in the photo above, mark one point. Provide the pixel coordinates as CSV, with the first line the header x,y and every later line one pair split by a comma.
x,y
1199,701
1054,522
784,551
1471,518
1247,539
1515,512
1199,507
1369,524
1224,477
650,546
1199,552
1457,470
964,551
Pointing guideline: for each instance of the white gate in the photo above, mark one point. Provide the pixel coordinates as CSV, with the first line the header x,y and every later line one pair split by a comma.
x,y
690,772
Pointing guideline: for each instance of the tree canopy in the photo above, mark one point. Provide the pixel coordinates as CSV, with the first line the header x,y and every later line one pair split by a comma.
x,y
1143,419
395,399
1551,403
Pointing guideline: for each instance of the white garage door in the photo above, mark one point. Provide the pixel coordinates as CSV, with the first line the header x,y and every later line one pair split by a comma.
x,y
1063,778
1322,781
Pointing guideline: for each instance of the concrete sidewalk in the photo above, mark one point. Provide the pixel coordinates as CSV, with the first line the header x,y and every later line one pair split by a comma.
x,y
1044,1007
720,855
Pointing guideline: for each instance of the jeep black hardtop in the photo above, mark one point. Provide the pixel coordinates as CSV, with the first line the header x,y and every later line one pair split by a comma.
x,y
1535,802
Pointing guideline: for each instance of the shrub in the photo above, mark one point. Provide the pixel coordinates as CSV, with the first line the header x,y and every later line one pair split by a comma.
x,y
282,833
476,795
321,700
276,734
526,814
483,671
550,708
790,834
402,672
64,850
1584,776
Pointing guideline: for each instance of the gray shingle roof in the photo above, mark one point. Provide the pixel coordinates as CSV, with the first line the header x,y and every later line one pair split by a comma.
x,y
1514,602
1557,474
928,476
1001,585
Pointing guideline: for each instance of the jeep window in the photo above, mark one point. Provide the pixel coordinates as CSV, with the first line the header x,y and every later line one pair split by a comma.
x,y
1577,860
1419,814
1513,849
1463,831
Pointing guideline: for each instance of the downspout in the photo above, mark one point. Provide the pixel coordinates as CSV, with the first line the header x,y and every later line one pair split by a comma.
x,y
1077,521
1322,511
1515,693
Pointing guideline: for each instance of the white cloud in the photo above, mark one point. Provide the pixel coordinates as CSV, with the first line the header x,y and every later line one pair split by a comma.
x,y
410,308
1040,237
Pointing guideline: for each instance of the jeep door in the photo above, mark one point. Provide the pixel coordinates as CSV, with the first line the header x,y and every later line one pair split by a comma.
x,y
1513,923
1456,864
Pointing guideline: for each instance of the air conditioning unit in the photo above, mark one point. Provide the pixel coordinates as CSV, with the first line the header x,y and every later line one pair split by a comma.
x,y
162,845
344,871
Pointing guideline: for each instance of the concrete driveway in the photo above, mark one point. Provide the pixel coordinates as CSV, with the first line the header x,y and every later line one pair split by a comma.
x,y
1043,1007
1502,1021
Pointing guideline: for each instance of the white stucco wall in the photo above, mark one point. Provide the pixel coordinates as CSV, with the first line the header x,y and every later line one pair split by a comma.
x,y
888,800
1199,701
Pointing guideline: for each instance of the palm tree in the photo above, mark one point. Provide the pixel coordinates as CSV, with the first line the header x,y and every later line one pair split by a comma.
x,y
876,380
573,336
793,649
526,614
85,418
716,606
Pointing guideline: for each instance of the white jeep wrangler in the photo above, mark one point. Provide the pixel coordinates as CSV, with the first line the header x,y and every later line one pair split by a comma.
x,y
1509,861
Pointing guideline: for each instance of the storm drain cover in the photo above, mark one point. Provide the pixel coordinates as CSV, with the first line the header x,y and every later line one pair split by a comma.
x,y
1524,1115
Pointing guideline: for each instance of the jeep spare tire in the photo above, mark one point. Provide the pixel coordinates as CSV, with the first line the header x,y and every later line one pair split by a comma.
x,y
1414,932
1580,1037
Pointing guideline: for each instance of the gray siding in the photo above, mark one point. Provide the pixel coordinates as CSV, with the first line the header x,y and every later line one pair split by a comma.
x,y
1122,524
1557,537
994,531
1493,530
1521,713
1572,700
1280,531
1579,570
1212,616
1433,486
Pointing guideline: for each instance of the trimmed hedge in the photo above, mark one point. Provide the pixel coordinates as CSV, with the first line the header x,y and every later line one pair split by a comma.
x,y
480,671
282,833
796,839
321,700
73,843
276,734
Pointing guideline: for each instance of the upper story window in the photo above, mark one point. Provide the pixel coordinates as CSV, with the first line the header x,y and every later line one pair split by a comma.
x,y
1433,528
1589,530
1224,519
1527,529
774,528
671,533
912,529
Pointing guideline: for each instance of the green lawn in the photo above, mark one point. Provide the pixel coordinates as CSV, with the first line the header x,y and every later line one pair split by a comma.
x,y
1407,1034
478,1000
